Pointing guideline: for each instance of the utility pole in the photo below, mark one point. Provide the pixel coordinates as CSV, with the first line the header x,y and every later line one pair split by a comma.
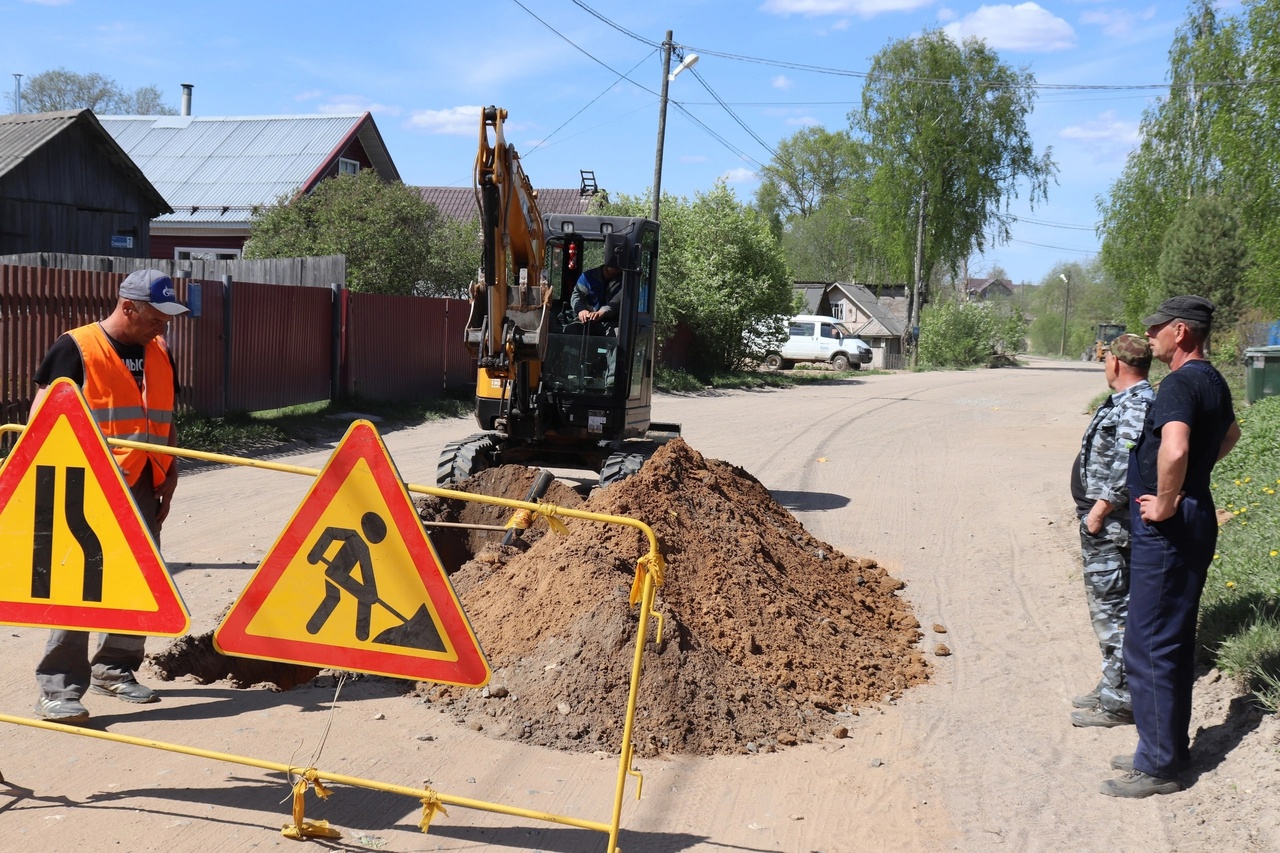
x,y
913,316
662,126
668,75
1066,306
17,93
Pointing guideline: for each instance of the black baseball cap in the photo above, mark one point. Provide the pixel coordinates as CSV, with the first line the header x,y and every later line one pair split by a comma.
x,y
1194,308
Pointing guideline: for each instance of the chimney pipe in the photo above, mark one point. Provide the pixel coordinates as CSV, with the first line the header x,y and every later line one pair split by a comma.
x,y
186,98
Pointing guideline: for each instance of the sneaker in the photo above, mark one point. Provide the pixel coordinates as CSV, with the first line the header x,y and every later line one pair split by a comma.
x,y
1100,716
1135,785
67,711
129,691
1087,700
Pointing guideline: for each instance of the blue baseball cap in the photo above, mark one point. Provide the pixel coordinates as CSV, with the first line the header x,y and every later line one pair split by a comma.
x,y
154,287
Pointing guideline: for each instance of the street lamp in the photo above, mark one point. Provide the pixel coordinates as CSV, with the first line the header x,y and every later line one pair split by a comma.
x,y
1066,306
668,75
17,93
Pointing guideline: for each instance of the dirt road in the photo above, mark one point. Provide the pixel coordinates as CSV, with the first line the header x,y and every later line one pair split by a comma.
x,y
954,481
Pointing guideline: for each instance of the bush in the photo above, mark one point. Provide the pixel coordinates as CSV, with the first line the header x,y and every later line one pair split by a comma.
x,y
966,334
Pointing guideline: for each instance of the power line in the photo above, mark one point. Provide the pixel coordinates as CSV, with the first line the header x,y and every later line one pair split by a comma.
x,y
1049,224
616,25
546,138
1058,248
731,113
937,81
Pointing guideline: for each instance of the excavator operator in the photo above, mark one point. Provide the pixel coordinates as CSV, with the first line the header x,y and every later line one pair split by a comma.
x,y
598,295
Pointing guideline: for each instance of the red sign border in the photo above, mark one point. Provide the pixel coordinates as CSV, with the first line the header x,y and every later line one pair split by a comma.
x,y
170,619
470,669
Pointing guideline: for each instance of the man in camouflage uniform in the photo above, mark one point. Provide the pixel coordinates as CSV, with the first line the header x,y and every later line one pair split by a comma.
x,y
1098,485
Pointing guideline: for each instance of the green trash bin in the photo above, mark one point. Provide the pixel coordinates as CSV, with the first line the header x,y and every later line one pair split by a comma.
x,y
1261,373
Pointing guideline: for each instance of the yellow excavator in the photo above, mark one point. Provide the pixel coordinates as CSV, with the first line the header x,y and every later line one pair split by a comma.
x,y
553,389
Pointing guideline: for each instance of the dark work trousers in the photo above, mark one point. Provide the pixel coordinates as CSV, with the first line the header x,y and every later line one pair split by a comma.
x,y
1167,571
65,670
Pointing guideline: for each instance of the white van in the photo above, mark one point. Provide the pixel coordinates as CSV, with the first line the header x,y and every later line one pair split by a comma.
x,y
814,338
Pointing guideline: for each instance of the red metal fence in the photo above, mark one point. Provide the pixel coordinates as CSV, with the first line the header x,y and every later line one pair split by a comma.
x,y
249,346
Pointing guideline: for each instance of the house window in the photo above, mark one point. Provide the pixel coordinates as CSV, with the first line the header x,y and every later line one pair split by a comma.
x,y
194,254
347,167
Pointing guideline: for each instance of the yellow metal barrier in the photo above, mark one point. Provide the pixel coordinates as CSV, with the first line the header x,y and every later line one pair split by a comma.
x,y
649,576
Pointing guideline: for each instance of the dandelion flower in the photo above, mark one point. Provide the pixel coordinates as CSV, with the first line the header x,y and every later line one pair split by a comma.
x,y
1231,584
1248,479
1275,553
1215,556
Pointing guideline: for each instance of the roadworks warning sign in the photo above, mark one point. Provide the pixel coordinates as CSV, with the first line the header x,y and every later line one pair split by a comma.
x,y
354,583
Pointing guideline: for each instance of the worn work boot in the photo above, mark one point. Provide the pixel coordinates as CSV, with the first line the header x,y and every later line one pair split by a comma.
x,y
129,691
1100,716
1123,763
68,711
1087,700
1135,785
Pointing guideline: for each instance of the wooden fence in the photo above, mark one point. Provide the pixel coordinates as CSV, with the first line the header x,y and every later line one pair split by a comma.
x,y
321,271
249,346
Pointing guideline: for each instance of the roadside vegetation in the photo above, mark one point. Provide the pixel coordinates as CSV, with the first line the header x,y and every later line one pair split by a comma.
x,y
683,382
311,423
1240,611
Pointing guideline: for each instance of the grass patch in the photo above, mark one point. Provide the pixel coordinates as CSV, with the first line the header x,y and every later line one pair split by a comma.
x,y
1240,611
318,422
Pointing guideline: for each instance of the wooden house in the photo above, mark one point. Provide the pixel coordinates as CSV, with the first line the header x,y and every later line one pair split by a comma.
x,y
218,171
67,186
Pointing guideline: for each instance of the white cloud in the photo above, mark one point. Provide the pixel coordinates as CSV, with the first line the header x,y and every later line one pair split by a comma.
x,y
454,121
1025,27
1106,138
783,82
865,8
309,95
803,121
347,104
739,175
1106,128
693,158
945,14
1117,22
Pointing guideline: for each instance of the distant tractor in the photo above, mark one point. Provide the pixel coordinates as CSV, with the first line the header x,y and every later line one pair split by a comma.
x,y
1107,332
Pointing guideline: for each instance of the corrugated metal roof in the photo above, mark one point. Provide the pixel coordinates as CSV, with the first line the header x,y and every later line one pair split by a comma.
x,y
460,202
23,134
218,169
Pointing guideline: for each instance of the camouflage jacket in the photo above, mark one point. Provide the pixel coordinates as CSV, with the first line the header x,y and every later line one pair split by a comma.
x,y
1114,430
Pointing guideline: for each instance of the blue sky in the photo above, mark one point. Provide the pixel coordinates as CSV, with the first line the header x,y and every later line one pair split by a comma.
x,y
425,68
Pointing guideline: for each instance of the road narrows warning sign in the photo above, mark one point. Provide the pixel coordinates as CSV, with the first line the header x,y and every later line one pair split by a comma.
x,y
74,552
354,583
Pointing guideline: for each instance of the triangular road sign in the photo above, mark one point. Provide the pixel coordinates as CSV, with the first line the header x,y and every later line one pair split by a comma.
x,y
354,583
74,552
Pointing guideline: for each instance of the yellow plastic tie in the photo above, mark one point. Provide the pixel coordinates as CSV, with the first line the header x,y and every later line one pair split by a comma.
x,y
548,511
651,562
301,828
522,519
430,805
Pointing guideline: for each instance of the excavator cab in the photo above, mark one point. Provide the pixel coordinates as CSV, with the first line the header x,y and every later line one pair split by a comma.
x,y
551,388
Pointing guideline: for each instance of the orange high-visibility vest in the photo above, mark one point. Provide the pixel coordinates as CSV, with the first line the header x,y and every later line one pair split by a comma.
x,y
120,409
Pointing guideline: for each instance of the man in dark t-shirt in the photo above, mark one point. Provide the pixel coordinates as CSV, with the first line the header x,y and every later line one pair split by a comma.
x,y
1189,428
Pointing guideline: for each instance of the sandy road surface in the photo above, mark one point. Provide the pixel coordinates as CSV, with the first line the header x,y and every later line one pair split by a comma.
x,y
955,481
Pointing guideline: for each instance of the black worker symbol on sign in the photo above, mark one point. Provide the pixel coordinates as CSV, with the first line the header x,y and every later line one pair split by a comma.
x,y
418,631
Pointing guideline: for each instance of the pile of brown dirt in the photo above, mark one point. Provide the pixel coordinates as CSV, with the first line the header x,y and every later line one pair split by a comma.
x,y
769,633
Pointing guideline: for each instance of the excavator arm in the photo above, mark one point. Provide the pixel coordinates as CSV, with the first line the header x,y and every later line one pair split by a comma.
x,y
510,304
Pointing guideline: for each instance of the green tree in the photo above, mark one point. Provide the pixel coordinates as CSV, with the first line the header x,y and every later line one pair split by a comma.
x,y
1204,254
453,259
60,89
945,125
806,170
721,273
383,228
1192,146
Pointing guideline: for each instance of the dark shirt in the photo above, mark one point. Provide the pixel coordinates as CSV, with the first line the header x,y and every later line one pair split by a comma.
x,y
1196,395
594,293
64,359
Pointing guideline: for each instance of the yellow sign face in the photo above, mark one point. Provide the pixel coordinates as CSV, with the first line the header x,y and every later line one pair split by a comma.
x,y
74,551
353,582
